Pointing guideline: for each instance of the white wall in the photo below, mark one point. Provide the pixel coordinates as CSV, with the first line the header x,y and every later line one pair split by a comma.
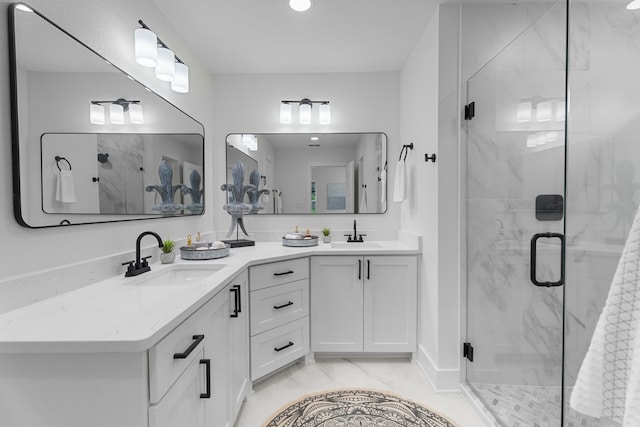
x,y
360,102
108,28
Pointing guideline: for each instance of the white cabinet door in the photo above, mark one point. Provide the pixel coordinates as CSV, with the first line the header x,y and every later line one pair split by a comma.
x,y
336,303
216,348
239,343
390,303
182,405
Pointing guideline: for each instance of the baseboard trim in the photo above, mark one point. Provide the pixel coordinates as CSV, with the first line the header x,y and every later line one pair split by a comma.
x,y
442,380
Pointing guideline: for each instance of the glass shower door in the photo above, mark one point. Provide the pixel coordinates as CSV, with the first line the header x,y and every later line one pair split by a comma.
x,y
515,174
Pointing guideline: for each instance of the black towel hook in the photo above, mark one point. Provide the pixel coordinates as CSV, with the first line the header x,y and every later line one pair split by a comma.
x,y
59,159
405,150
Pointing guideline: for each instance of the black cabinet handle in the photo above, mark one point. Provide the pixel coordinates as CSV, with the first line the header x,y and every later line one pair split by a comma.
x,y
239,297
282,274
235,289
207,365
278,307
196,340
534,249
359,269
283,347
368,269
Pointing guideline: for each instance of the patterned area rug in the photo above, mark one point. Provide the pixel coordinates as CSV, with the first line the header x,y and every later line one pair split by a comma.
x,y
356,408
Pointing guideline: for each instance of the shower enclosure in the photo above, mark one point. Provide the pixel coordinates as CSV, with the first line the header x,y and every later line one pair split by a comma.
x,y
552,146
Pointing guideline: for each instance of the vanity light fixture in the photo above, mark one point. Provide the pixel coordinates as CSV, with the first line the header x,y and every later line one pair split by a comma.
x,y
150,51
117,109
543,111
635,4
300,5
304,115
523,113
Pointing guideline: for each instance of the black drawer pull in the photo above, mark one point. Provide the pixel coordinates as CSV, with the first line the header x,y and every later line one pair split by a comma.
x,y
278,307
282,274
187,352
283,347
207,364
236,303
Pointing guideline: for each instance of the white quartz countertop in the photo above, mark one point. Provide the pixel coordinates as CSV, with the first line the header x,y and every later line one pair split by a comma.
x,y
131,314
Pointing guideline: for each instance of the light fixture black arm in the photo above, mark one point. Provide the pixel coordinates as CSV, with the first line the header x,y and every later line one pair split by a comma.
x,y
160,42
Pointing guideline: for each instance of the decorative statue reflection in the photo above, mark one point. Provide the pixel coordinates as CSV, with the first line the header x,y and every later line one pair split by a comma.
x,y
195,192
167,191
254,195
236,206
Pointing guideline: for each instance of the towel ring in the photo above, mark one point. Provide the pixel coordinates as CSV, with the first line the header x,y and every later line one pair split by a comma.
x,y
59,159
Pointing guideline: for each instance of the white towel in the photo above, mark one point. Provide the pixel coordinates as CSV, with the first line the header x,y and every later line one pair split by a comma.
x,y
399,185
363,200
280,202
65,188
608,384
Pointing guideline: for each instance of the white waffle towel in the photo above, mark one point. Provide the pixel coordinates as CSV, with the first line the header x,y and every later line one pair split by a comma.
x,y
399,184
363,200
608,384
65,188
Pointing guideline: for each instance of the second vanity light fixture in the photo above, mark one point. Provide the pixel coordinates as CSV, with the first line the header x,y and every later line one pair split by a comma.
x,y
117,109
150,51
304,117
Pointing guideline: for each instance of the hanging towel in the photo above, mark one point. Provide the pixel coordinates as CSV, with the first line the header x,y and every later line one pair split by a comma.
x,y
280,202
65,188
363,200
608,384
399,190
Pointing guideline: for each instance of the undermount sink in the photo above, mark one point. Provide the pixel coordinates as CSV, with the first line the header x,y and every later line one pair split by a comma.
x,y
355,245
180,275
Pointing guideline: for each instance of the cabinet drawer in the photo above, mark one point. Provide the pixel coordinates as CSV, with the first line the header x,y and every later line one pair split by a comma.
x,y
164,369
277,273
277,305
277,347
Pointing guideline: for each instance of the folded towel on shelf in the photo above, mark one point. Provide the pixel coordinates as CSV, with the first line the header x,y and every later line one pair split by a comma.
x,y
65,188
363,200
608,383
399,184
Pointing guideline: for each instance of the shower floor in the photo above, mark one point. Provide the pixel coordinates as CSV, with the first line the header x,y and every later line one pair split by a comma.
x,y
528,406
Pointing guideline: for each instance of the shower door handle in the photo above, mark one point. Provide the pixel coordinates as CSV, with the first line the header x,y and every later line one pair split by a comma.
x,y
534,248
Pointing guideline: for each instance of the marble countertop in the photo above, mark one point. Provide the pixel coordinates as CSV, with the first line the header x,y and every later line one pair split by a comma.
x,y
130,314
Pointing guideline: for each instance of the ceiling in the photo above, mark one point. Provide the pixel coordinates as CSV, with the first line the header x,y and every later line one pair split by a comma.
x,y
266,36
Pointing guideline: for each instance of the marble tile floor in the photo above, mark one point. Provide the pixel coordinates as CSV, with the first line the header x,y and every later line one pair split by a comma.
x,y
524,406
396,375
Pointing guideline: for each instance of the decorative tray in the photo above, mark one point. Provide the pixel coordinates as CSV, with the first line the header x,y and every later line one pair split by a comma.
x,y
202,251
299,243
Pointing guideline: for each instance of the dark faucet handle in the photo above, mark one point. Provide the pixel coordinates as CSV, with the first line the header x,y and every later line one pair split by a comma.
x,y
144,262
360,236
129,265
349,237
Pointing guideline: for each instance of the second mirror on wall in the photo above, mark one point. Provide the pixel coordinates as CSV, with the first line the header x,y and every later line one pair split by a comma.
x,y
305,173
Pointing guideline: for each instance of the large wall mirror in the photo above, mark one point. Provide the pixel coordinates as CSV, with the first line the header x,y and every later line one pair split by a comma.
x,y
325,173
69,169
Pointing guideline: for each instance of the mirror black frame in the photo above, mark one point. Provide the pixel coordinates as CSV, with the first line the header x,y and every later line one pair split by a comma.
x,y
15,135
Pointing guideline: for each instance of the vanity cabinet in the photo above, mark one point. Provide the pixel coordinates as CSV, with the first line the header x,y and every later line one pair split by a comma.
x,y
363,304
279,304
197,375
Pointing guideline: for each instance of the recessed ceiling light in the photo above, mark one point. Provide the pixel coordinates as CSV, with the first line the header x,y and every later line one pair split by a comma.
x,y
300,5
314,138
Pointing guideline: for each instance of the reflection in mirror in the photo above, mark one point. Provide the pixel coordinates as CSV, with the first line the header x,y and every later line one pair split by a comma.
x,y
71,103
110,172
315,173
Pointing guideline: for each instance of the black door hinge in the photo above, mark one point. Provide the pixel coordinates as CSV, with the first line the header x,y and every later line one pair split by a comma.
x,y
467,351
470,111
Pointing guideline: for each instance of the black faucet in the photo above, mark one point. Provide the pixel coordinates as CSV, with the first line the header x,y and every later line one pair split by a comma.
x,y
140,265
357,238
